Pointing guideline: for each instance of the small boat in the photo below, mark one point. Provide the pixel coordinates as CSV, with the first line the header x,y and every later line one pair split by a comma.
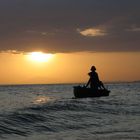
x,y
83,92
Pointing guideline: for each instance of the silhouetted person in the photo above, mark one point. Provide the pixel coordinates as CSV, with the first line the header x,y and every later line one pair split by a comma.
x,y
94,81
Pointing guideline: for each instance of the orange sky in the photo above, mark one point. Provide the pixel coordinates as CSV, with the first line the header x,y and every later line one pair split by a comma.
x,y
69,68
72,31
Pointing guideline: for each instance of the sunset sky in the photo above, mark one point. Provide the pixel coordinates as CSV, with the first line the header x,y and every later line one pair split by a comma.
x,y
57,41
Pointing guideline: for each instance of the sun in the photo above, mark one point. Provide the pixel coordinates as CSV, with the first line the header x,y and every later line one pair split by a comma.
x,y
40,56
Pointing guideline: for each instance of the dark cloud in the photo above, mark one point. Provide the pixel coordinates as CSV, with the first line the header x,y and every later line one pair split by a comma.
x,y
57,25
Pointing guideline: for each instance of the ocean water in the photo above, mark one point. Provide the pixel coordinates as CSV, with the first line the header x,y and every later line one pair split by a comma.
x,y
48,112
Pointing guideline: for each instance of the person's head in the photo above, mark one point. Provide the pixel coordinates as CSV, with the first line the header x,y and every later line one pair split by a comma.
x,y
93,68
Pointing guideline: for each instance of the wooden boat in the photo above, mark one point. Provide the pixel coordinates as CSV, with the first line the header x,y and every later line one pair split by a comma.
x,y
83,92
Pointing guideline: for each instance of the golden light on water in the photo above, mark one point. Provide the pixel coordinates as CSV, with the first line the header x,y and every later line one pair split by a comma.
x,y
39,56
42,100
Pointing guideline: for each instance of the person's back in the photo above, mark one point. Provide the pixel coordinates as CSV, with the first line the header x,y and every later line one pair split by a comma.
x,y
94,81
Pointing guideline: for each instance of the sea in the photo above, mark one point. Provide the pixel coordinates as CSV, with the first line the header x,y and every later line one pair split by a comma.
x,y
49,112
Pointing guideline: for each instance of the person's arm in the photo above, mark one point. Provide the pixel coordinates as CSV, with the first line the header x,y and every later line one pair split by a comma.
x,y
88,82
97,77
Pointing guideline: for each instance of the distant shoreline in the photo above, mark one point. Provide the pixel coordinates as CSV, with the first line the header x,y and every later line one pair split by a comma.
x,y
76,83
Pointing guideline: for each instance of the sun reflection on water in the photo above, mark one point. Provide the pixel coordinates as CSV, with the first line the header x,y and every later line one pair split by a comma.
x,y
42,100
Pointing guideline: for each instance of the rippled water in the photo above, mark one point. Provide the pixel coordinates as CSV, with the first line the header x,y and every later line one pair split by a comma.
x,y
48,112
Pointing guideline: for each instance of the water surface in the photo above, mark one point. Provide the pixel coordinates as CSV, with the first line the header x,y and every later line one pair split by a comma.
x,y
41,112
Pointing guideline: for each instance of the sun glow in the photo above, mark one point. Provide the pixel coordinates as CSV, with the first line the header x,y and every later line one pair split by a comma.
x,y
40,57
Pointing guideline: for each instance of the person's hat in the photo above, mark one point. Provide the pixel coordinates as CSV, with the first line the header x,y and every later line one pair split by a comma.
x,y
93,68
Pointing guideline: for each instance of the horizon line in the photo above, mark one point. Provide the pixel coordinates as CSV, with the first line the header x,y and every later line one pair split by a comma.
x,y
71,83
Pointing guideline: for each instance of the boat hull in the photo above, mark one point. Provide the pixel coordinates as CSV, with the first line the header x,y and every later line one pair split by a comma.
x,y
83,92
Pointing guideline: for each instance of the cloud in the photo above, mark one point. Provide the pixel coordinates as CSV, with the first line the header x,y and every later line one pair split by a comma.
x,y
51,25
12,52
91,32
133,29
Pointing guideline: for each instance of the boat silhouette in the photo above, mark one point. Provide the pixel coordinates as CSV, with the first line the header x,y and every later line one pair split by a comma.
x,y
84,92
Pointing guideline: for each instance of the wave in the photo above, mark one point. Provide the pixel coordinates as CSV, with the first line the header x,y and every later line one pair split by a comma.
x,y
64,115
